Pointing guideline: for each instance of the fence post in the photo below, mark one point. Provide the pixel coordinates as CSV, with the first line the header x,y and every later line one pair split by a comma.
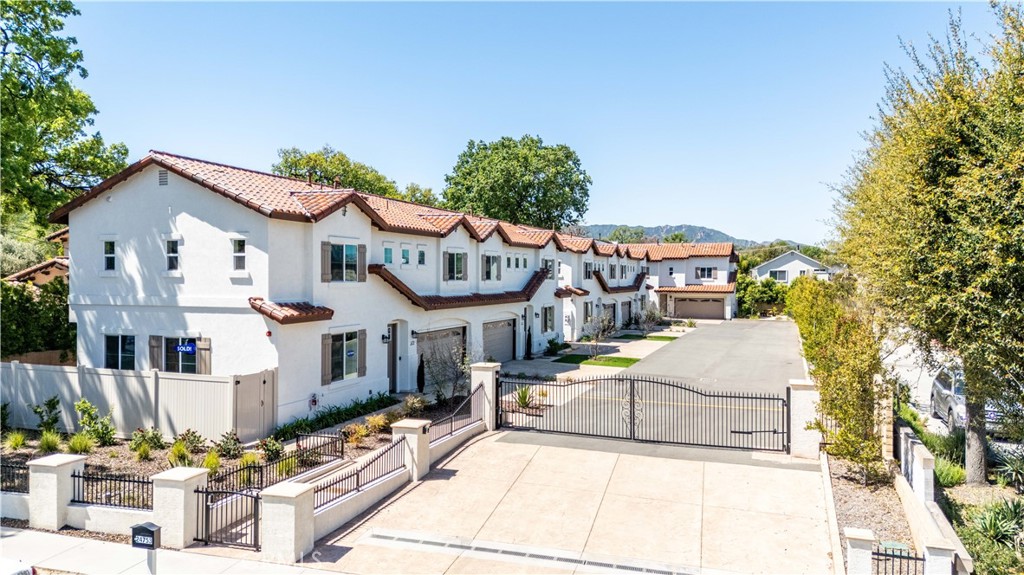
x,y
175,507
417,445
51,490
14,387
486,374
938,559
155,374
858,551
288,523
803,397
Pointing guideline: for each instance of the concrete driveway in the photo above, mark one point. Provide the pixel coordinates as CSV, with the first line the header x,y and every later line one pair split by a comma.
x,y
516,502
739,355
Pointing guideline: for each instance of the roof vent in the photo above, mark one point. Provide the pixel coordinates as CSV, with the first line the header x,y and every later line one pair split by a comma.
x,y
161,177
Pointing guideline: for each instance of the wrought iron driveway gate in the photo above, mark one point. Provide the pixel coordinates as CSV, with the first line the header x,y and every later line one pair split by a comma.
x,y
649,409
228,518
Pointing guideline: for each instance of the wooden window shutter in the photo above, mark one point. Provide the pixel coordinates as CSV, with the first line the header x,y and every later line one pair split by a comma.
x,y
362,353
361,263
325,359
444,266
325,261
714,273
483,267
499,269
156,352
203,356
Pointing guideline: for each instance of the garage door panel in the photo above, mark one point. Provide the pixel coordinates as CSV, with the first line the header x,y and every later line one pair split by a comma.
x,y
441,351
500,340
700,308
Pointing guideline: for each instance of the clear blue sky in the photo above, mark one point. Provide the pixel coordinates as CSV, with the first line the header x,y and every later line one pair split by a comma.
x,y
733,116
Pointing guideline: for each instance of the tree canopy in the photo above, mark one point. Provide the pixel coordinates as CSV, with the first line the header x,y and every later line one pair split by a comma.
x,y
932,215
627,235
676,238
47,153
521,181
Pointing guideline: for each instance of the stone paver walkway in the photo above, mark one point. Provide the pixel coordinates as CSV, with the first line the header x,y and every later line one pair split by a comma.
x,y
684,510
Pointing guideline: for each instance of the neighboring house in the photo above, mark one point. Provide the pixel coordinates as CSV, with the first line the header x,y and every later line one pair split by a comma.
x,y
183,265
693,281
49,270
791,265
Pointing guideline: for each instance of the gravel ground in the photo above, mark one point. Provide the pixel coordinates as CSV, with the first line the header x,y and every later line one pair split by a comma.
x,y
875,507
23,524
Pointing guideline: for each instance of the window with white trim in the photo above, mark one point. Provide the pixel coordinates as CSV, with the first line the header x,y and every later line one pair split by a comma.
x,y
508,262
455,266
238,254
119,352
548,318
588,311
588,270
611,272
549,265
779,275
173,261
388,256
180,354
344,355
421,257
109,256
344,262
706,273
406,256
491,270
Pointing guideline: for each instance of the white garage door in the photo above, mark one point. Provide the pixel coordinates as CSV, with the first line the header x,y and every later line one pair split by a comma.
x,y
500,340
441,352
700,308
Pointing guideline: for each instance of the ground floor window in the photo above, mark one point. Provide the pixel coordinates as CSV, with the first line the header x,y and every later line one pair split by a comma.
x,y
120,352
548,317
180,354
778,275
344,355
588,311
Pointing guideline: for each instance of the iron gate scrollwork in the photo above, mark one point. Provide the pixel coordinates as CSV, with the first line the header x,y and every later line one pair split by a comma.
x,y
648,409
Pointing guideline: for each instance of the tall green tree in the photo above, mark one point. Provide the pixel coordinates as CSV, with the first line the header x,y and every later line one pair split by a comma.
x,y
331,167
418,194
521,181
676,238
47,153
932,216
627,235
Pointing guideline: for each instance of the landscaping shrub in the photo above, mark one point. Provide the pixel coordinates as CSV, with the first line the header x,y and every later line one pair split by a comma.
x,y
49,442
48,414
100,429
35,317
554,346
81,443
15,440
947,473
212,462
392,416
151,437
229,445
1011,469
333,415
272,449
413,405
287,467
249,460
524,396
355,432
142,452
193,441
691,323
179,455
377,423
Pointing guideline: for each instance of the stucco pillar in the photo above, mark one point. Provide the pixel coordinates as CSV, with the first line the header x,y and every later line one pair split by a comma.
x,y
417,445
803,398
923,475
486,374
938,559
288,525
858,551
50,489
175,504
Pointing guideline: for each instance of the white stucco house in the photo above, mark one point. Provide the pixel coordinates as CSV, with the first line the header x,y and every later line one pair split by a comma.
x,y
791,265
184,265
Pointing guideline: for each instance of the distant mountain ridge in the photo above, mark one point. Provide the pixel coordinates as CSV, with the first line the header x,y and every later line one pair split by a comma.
x,y
698,234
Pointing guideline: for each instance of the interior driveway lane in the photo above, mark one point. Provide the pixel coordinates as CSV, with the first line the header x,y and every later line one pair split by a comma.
x,y
739,355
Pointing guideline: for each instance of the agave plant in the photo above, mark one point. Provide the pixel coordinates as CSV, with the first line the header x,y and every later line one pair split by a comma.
x,y
993,525
524,397
1012,469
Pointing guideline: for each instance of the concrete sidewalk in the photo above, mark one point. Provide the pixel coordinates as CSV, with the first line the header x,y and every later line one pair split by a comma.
x,y
49,551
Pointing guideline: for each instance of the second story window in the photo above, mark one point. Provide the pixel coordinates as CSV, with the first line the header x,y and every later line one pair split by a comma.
x,y
238,254
343,263
611,271
421,257
622,272
388,256
491,268
706,273
588,270
406,256
109,257
549,265
173,261
454,266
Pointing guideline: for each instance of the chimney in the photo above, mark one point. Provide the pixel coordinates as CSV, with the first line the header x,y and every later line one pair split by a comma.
x,y
337,182
309,178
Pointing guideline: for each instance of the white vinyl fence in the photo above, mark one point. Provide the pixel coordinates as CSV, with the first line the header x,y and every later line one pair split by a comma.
x,y
172,402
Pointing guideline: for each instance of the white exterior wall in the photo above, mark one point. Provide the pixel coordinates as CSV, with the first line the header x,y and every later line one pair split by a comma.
x,y
791,262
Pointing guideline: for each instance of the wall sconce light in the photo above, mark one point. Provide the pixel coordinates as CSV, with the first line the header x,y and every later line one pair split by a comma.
x,y
523,317
536,315
344,210
415,333
386,338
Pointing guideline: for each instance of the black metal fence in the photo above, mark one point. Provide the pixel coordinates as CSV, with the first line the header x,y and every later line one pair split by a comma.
x,y
470,411
14,477
386,461
228,518
312,451
890,561
647,409
112,490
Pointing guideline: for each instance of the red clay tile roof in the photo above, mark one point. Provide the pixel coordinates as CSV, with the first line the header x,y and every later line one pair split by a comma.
x,y
574,243
659,252
60,235
638,283
58,266
432,302
569,291
705,288
292,312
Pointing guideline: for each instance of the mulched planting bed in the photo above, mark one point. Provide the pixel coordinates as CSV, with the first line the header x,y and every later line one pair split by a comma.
x,y
23,524
876,506
114,459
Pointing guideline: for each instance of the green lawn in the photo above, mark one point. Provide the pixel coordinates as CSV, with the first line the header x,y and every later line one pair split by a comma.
x,y
661,338
629,336
604,360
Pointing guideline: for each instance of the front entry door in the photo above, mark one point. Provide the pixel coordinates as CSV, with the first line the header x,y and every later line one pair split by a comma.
x,y
393,357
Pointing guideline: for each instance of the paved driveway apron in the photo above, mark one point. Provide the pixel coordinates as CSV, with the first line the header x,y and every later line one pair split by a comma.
x,y
738,355
520,502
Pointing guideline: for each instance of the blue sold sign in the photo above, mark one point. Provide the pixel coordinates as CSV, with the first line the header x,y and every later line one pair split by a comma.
x,y
187,348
